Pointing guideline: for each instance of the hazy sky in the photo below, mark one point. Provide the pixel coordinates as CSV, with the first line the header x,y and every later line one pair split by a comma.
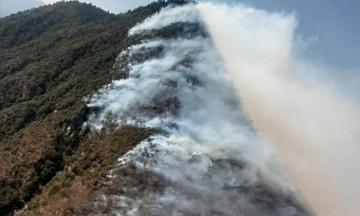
x,y
8,7
335,26
332,25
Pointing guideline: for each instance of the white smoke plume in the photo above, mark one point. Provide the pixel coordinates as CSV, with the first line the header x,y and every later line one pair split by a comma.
x,y
316,129
209,155
185,13
208,151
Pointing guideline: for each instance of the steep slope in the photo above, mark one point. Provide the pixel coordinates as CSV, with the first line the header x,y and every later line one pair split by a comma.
x,y
204,157
50,59
132,114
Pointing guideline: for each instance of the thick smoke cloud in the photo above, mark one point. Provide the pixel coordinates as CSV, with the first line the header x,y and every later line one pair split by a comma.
x,y
316,130
207,154
202,97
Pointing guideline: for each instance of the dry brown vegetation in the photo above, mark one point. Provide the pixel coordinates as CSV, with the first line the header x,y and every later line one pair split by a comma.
x,y
50,59
72,188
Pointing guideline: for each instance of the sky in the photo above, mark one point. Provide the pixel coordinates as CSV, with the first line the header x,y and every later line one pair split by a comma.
x,y
333,25
8,7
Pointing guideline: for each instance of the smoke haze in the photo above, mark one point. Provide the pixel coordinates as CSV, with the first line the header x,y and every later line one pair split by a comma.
x,y
315,129
207,94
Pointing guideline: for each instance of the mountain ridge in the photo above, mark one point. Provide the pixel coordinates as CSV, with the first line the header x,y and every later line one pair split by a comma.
x,y
51,58
107,114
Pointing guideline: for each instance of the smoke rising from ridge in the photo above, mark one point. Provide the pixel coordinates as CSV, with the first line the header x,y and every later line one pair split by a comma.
x,y
316,129
207,153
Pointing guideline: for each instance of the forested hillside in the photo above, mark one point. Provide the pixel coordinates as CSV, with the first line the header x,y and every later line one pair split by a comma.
x,y
50,59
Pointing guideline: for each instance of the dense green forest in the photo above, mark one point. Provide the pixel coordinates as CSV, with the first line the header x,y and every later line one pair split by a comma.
x,y
50,59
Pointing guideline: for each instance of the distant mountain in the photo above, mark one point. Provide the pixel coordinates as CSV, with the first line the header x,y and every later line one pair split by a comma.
x,y
8,7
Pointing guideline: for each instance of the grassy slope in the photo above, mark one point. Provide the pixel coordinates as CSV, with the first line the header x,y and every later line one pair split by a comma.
x,y
50,58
